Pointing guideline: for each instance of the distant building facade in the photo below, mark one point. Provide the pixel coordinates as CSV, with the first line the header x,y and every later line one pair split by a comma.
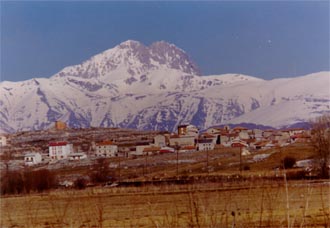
x,y
188,129
176,140
59,150
205,144
160,140
3,140
59,125
32,159
106,149
77,156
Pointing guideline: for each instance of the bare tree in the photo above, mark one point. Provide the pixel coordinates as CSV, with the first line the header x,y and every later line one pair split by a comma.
x,y
6,157
321,142
101,172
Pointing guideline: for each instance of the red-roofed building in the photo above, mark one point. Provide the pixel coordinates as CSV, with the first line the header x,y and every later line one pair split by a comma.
x,y
58,143
59,150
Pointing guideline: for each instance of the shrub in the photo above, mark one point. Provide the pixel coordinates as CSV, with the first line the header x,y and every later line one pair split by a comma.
x,y
297,175
288,162
246,167
80,183
43,180
14,182
28,181
101,172
321,143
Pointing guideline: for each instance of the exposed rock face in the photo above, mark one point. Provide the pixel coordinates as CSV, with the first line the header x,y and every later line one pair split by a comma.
x,y
157,87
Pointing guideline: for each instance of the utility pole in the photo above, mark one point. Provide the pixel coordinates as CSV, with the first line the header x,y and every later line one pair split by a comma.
x,y
177,161
146,163
119,167
207,160
177,147
240,159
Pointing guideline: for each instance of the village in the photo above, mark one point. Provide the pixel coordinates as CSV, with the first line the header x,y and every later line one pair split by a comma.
x,y
61,144
95,171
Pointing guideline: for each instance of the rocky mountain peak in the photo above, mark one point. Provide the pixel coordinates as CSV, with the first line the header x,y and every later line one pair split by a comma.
x,y
134,58
174,57
130,44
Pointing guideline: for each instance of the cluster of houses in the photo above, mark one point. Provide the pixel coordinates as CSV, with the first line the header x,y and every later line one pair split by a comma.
x,y
187,139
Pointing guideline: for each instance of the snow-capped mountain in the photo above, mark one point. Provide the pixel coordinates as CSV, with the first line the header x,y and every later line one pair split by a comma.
x,y
157,87
131,59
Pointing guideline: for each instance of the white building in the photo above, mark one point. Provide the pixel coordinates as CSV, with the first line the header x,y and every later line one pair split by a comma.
x,y
59,150
243,135
106,149
205,144
214,130
192,130
258,134
32,159
77,156
3,140
188,130
140,150
182,140
160,140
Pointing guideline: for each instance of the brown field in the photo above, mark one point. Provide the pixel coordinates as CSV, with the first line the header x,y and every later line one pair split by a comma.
x,y
261,203
219,198
223,161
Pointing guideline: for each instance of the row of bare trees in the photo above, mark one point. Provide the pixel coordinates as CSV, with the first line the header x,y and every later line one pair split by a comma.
x,y
16,182
321,143
27,181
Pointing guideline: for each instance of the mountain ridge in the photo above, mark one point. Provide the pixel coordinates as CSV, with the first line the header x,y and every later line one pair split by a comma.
x,y
136,58
157,87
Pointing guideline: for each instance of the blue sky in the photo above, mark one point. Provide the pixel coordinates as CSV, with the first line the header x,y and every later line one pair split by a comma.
x,y
258,38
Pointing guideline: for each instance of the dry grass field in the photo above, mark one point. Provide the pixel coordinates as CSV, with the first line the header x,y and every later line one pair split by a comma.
x,y
219,197
261,203
223,161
